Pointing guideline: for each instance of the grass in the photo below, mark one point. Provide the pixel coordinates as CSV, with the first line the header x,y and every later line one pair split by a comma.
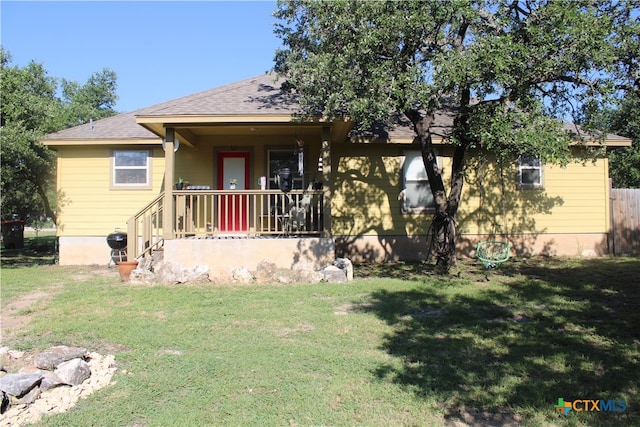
x,y
39,248
397,346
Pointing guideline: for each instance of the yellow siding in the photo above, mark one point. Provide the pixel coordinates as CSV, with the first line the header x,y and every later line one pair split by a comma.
x,y
574,200
367,186
87,205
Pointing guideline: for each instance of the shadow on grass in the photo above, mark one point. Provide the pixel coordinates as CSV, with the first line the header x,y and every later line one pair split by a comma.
x,y
536,333
39,250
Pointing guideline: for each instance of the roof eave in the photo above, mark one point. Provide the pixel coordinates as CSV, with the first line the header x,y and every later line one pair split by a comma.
x,y
102,141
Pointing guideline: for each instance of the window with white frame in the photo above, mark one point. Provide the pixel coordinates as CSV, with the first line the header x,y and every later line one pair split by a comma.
x,y
529,172
416,196
131,168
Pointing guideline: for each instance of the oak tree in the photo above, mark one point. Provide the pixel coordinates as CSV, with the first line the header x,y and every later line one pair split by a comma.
x,y
31,108
506,69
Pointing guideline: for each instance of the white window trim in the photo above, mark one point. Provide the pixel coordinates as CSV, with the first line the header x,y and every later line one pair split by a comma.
x,y
403,180
525,185
130,186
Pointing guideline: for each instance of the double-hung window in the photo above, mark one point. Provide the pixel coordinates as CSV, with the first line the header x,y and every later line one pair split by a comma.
x,y
416,196
131,168
529,172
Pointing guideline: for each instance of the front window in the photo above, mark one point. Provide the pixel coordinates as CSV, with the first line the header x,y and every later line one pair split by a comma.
x,y
416,196
529,172
281,159
131,168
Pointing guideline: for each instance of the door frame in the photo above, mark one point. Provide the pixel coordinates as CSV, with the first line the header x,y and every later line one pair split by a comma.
x,y
236,220
220,167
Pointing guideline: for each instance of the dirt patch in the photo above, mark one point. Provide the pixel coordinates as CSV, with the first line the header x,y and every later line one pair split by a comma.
x,y
300,329
17,314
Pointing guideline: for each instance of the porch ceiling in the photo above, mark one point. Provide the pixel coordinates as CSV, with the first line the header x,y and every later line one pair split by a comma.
x,y
191,131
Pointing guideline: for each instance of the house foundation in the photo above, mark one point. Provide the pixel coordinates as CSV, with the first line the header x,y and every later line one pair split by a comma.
x,y
414,248
231,252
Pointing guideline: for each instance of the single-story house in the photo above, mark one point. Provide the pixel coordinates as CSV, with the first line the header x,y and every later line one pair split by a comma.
x,y
202,178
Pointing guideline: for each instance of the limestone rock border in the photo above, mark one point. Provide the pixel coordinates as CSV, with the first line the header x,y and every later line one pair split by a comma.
x,y
151,271
33,392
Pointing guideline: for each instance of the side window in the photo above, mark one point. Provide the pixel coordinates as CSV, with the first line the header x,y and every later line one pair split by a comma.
x,y
529,173
415,196
131,168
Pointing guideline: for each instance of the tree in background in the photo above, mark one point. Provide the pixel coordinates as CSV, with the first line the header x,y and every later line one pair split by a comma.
x,y
624,163
30,109
505,69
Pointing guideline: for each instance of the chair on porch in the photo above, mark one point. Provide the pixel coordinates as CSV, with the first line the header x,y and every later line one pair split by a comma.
x,y
298,213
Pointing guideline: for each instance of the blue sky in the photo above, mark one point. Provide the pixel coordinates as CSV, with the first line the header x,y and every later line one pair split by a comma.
x,y
160,50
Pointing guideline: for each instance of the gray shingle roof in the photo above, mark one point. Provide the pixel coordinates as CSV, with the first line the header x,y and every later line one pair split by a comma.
x,y
121,126
253,96
259,95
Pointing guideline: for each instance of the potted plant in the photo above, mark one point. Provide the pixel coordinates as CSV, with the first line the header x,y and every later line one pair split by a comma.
x,y
182,184
233,183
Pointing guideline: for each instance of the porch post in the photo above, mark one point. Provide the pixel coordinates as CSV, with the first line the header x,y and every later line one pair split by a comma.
x,y
169,168
325,153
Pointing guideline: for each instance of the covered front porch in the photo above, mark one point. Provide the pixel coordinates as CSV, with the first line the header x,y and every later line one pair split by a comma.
x,y
238,210
230,215
220,197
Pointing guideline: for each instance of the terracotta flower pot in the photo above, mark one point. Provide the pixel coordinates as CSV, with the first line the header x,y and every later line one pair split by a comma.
x,y
125,268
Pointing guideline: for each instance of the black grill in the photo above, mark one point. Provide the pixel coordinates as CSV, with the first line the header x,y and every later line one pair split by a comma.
x,y
117,240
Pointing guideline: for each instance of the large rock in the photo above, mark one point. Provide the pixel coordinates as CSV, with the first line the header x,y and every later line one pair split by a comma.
x,y
242,275
308,276
141,276
167,272
30,397
345,265
145,263
333,274
266,272
50,380
20,384
73,372
50,359
220,276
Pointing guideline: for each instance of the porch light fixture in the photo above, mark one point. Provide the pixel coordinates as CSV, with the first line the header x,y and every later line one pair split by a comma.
x,y
176,144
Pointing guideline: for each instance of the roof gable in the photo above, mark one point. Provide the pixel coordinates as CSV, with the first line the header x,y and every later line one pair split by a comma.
x,y
253,96
257,97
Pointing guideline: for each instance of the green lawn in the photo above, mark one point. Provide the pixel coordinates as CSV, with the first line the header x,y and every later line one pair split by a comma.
x,y
397,346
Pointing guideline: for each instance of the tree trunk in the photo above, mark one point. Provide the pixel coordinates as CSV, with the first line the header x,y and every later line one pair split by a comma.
x,y
460,127
47,206
442,235
443,228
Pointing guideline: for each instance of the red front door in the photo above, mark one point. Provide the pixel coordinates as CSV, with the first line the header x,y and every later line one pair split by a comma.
x,y
233,173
